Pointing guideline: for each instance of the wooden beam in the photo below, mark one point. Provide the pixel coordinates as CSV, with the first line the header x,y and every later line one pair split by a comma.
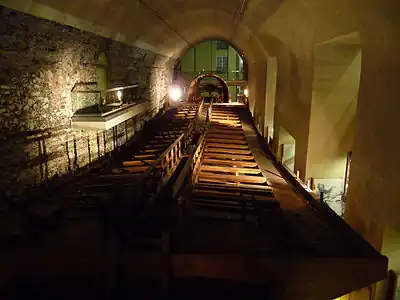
x,y
230,163
206,194
204,176
226,136
132,163
228,156
238,142
222,150
242,188
227,146
229,169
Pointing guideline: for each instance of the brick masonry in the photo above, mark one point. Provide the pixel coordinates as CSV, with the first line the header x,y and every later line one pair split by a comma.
x,y
40,63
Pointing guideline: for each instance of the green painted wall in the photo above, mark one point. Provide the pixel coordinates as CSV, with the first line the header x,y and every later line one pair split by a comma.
x,y
187,62
202,58
232,93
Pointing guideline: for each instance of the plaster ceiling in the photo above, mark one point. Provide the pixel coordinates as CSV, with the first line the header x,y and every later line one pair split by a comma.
x,y
164,26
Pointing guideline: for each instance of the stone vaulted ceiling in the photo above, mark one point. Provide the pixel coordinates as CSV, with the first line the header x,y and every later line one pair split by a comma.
x,y
165,26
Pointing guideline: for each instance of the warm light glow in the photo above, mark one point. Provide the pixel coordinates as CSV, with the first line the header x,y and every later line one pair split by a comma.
x,y
175,93
246,92
119,95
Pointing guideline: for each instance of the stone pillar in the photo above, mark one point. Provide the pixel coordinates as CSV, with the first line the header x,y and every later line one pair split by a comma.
x,y
257,87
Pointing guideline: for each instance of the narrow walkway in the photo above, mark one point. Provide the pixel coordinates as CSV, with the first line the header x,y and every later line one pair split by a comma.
x,y
239,197
289,199
245,223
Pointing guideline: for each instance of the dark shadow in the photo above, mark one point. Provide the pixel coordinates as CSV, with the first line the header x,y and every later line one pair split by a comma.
x,y
202,288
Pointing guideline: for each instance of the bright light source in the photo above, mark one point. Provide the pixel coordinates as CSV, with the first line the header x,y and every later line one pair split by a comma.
x,y
119,95
246,92
175,93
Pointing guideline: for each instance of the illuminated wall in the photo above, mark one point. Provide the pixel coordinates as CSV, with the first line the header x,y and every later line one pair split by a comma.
x,y
337,68
40,62
202,58
287,149
333,108
272,70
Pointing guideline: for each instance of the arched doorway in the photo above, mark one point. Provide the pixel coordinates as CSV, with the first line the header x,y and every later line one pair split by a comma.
x,y
214,56
195,85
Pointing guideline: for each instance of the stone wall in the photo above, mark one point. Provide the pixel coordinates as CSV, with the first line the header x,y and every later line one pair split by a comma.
x,y
40,63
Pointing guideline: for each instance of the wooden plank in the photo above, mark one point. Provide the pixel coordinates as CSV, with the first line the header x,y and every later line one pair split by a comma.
x,y
235,178
225,117
222,150
228,156
242,188
227,126
238,142
135,169
132,163
229,163
226,131
155,151
230,120
215,192
226,146
143,156
222,119
226,136
230,169
224,113
204,194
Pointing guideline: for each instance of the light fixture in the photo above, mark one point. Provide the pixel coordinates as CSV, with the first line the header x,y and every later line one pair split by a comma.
x,y
119,95
246,92
175,93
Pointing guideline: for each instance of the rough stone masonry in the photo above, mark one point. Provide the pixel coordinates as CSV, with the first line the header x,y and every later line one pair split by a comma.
x,y
40,63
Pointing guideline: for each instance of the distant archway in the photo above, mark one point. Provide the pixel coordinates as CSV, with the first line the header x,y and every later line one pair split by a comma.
x,y
193,91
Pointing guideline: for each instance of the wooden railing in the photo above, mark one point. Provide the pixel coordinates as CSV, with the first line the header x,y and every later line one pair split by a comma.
x,y
191,168
196,159
159,173
172,156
